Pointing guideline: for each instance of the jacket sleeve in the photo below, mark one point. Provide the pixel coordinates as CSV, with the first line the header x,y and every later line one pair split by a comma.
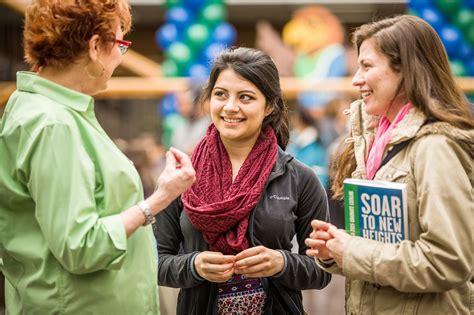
x,y
302,272
174,268
440,259
61,180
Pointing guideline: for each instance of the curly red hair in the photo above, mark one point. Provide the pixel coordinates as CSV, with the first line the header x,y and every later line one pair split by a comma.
x,y
57,32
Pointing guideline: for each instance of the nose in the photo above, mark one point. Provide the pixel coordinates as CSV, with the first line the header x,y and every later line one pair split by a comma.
x,y
231,105
357,79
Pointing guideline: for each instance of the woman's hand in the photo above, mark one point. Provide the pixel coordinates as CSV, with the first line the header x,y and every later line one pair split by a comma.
x,y
214,266
176,178
317,240
258,262
337,245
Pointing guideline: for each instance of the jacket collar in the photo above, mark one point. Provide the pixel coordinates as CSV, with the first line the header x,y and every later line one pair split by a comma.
x,y
364,126
33,83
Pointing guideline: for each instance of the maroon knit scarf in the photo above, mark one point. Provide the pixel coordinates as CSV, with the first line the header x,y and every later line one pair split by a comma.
x,y
215,205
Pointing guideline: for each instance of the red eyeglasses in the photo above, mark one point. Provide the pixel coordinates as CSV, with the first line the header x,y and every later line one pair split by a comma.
x,y
123,45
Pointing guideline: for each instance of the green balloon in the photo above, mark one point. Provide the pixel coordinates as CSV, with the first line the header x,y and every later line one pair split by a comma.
x,y
463,19
180,54
172,3
213,14
197,35
469,35
457,67
214,1
169,68
449,7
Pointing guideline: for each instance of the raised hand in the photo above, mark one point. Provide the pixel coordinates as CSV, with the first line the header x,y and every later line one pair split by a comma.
x,y
259,261
177,177
214,266
317,240
337,244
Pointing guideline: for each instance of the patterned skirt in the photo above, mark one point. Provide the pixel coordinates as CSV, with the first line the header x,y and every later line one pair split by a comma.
x,y
241,296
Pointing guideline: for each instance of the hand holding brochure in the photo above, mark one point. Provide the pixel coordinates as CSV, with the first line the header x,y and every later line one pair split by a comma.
x,y
376,210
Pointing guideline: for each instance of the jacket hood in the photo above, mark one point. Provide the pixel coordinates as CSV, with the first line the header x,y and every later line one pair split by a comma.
x,y
465,138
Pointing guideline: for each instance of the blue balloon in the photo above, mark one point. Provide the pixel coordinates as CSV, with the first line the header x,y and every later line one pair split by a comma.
x,y
198,72
194,4
179,16
469,65
166,35
212,51
465,52
418,5
225,34
433,17
469,4
168,105
451,38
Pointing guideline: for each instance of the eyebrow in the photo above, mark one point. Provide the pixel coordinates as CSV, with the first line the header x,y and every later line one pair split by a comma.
x,y
243,91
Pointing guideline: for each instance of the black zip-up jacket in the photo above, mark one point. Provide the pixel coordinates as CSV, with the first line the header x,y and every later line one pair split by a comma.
x,y
292,198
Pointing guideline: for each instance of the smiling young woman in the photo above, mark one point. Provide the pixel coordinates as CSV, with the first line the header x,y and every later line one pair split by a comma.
x,y
409,97
233,228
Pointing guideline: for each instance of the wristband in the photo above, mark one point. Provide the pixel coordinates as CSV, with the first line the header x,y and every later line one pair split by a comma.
x,y
146,210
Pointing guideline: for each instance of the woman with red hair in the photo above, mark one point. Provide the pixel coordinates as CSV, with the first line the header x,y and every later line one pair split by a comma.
x,y
71,204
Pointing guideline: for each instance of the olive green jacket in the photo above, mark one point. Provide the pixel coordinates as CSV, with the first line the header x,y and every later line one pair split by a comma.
x,y
431,272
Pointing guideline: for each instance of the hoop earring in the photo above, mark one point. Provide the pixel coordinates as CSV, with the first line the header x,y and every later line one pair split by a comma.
x,y
95,73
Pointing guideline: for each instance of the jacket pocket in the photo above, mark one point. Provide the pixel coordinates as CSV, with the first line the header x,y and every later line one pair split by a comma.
x,y
393,174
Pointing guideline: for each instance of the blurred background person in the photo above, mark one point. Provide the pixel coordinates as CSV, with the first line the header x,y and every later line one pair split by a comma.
x,y
305,143
72,206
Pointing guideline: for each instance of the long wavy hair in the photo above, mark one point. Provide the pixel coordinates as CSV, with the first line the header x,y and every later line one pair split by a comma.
x,y
416,52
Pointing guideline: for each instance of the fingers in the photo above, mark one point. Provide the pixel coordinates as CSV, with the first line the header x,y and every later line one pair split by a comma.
x,y
318,243
170,160
214,266
181,157
320,225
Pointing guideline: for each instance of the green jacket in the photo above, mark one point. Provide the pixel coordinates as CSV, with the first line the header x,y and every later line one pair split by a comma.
x,y
63,184
431,272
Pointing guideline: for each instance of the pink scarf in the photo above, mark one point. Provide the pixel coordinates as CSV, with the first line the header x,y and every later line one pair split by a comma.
x,y
382,138
215,205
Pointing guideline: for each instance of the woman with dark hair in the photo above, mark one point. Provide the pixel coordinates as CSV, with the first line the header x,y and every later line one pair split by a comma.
x,y
227,241
410,104
71,204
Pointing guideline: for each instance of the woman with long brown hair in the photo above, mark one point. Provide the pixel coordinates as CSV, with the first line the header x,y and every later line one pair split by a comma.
x,y
408,96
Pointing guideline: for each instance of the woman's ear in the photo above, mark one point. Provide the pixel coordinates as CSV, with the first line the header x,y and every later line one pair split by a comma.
x,y
94,47
268,110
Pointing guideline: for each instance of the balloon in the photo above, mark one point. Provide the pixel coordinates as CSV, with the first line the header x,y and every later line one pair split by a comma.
x,y
197,35
465,52
179,16
180,54
470,67
168,104
194,4
198,72
214,1
433,17
469,35
172,3
463,19
451,38
448,7
166,35
213,14
417,5
458,68
212,51
169,68
224,33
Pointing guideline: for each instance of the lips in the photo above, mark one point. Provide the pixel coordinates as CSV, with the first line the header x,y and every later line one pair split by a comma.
x,y
233,120
365,94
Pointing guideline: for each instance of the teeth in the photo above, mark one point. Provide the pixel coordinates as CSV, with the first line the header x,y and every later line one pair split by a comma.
x,y
365,94
230,120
